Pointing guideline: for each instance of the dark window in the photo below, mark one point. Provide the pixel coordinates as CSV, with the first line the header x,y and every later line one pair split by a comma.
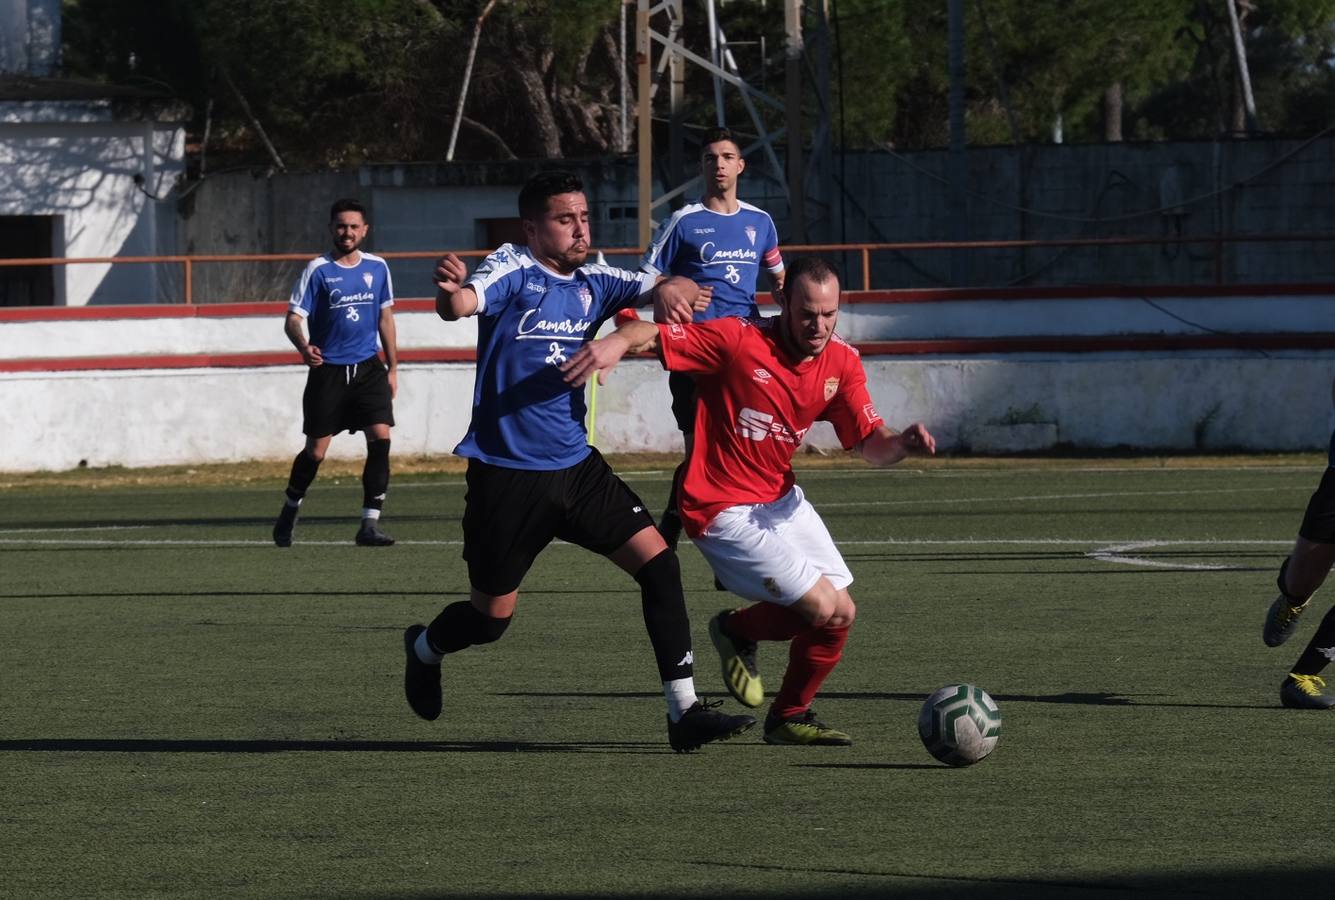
x,y
495,232
27,237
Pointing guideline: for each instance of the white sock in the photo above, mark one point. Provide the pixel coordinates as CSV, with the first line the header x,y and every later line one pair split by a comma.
x,y
424,652
368,513
680,694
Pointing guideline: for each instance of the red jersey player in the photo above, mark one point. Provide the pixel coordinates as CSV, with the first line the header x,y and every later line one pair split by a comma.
x,y
761,384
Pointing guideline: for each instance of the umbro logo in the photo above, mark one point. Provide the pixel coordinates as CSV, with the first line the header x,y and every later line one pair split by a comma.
x,y
1327,652
688,659
761,375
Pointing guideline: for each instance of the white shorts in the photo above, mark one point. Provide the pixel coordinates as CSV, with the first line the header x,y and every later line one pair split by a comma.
x,y
772,551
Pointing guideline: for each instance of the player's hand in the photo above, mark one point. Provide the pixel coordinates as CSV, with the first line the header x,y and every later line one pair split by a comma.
x,y
674,300
918,440
393,374
702,299
449,274
312,356
599,356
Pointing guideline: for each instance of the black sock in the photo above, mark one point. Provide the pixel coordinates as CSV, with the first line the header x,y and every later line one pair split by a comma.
x,y
304,468
375,474
460,625
1320,650
665,615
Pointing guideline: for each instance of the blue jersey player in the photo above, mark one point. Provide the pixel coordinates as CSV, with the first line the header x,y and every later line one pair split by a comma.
x,y
532,476
346,300
722,243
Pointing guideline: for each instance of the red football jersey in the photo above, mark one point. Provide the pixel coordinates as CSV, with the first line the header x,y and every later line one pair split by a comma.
x,y
755,406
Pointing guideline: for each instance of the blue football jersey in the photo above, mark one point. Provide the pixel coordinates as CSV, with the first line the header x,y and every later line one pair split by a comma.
x,y
723,250
530,321
341,305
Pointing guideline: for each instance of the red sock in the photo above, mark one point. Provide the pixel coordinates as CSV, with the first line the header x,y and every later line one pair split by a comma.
x,y
765,622
811,657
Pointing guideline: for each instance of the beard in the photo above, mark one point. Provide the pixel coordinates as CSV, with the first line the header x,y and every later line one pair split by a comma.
x,y
572,259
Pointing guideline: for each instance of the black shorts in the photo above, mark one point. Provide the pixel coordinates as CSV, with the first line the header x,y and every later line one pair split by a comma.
x,y
682,388
1319,520
510,515
342,397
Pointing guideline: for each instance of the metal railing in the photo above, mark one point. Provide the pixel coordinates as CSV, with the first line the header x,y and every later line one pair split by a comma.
x,y
859,256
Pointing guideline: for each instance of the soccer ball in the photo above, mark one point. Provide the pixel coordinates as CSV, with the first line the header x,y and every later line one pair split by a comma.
x,y
959,724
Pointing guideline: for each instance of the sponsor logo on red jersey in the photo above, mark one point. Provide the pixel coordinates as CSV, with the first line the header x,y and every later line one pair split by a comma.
x,y
757,425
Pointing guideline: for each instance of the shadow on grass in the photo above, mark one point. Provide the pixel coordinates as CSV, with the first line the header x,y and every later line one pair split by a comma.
x,y
1108,569
1091,698
858,883
369,591
166,745
265,521
903,766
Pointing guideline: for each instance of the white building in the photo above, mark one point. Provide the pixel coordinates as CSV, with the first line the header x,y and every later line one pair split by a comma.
x,y
84,169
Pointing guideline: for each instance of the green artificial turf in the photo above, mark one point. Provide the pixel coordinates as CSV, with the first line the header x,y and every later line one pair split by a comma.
x,y
186,710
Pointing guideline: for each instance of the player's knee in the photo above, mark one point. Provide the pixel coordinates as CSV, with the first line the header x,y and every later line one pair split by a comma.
x,y
663,568
820,604
316,453
819,611
845,611
487,620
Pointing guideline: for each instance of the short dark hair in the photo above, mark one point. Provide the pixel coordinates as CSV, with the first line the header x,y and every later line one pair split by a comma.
x,y
714,135
533,195
813,268
347,204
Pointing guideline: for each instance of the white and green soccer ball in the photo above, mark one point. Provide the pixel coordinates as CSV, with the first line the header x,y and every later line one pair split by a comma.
x,y
959,724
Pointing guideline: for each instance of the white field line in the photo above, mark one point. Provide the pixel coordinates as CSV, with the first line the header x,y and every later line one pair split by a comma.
x,y
1029,498
1109,551
1117,553
1033,497
856,471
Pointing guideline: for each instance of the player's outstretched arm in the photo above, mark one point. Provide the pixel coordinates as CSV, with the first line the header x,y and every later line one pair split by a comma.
x,y
603,354
676,299
454,299
885,447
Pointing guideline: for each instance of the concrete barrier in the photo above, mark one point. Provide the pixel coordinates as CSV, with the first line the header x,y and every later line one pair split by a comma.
x,y
221,385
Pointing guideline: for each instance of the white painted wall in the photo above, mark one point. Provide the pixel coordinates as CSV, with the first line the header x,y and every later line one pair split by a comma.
x,y
143,418
75,161
1207,399
203,334
1086,317
166,417
857,322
